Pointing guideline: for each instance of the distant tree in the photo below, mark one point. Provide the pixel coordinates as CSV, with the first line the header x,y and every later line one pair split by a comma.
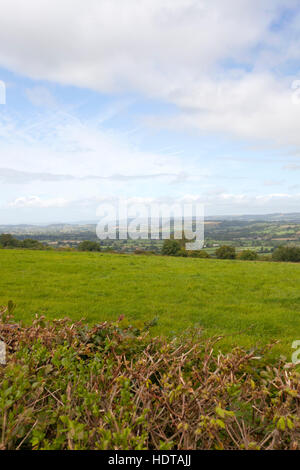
x,y
89,246
226,252
171,248
249,255
287,253
31,244
8,241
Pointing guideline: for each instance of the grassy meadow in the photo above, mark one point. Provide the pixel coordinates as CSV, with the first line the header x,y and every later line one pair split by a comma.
x,y
251,303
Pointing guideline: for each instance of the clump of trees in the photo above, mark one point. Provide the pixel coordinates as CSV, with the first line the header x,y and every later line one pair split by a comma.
x,y
287,253
177,248
87,245
8,241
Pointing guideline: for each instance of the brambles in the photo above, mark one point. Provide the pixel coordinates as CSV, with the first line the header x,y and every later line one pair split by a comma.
x,y
111,386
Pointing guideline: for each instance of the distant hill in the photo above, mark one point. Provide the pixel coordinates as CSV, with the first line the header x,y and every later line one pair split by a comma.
x,y
293,217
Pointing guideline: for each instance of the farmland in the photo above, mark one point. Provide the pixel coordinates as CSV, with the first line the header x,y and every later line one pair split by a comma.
x,y
260,233
251,303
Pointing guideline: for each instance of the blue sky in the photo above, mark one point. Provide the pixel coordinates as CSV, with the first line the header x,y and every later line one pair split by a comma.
x,y
148,100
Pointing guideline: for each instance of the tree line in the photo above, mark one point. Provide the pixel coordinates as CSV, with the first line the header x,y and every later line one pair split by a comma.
x,y
282,253
170,247
8,241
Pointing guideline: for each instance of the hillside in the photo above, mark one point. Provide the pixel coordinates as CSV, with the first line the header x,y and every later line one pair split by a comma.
x,y
251,302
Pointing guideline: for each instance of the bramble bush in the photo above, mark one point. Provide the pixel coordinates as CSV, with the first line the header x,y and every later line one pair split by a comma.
x,y
111,386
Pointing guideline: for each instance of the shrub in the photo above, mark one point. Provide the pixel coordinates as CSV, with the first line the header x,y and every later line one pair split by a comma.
x,y
111,386
287,253
171,248
183,253
89,246
249,255
226,252
265,257
138,251
198,254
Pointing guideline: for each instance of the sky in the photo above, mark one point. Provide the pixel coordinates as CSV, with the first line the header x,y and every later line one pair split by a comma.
x,y
148,101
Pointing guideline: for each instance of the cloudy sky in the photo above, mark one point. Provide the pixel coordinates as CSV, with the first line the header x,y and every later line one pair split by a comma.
x,y
163,100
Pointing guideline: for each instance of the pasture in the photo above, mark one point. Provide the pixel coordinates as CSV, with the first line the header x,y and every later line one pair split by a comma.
x,y
251,303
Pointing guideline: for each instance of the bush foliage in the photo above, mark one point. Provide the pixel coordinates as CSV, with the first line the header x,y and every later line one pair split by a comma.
x,y
88,245
248,255
111,386
198,254
171,248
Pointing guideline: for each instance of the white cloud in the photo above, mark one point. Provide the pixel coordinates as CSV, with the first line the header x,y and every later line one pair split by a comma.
x,y
110,45
243,203
218,199
86,209
220,63
175,50
37,202
60,144
249,106
41,96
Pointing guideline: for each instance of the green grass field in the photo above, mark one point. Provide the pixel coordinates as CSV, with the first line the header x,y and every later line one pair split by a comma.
x,y
250,302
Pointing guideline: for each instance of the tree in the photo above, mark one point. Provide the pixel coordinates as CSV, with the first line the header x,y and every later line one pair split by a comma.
x,y
249,255
89,246
226,252
171,248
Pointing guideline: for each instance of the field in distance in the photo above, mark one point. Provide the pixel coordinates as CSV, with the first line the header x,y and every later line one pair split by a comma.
x,y
252,303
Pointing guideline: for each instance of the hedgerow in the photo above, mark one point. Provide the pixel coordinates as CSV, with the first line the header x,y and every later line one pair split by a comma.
x,y
111,386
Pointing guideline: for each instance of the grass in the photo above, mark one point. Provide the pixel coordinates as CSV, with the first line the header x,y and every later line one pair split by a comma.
x,y
250,302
